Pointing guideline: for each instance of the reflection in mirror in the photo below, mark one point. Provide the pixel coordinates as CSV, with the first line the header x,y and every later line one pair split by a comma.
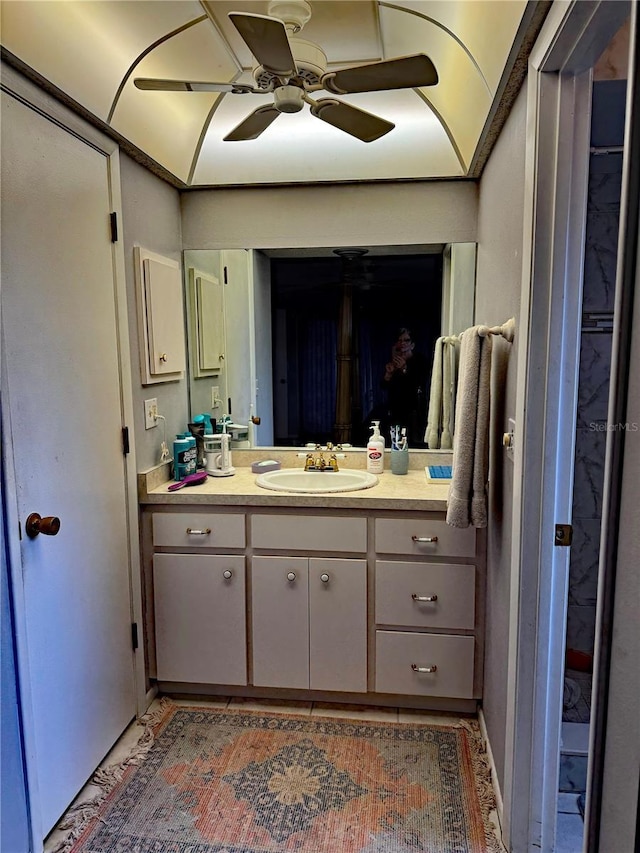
x,y
317,343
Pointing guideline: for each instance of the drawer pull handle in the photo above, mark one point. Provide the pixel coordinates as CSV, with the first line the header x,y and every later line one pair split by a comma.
x,y
416,668
227,574
325,578
291,576
424,597
424,539
193,532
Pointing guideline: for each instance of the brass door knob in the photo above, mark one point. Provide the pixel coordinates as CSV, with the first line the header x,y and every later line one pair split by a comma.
x,y
35,524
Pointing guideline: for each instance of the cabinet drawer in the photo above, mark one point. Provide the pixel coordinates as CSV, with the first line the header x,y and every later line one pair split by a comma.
x,y
309,533
402,536
402,587
198,530
450,658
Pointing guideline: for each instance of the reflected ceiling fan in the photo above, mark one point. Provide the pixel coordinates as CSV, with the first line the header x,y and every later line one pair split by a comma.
x,y
291,68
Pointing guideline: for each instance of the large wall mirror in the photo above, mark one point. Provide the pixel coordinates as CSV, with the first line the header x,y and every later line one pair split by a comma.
x,y
305,346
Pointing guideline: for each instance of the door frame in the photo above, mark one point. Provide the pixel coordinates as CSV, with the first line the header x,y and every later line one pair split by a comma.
x,y
573,37
18,87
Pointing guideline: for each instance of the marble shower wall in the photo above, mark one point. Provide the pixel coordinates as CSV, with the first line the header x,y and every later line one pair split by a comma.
x,y
603,214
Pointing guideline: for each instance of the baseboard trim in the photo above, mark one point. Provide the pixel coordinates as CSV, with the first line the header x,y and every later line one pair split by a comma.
x,y
150,696
492,765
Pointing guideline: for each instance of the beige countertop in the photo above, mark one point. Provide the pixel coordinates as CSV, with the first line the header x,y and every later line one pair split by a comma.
x,y
405,492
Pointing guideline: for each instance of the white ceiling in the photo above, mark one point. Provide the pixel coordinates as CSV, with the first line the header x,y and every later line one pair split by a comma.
x,y
91,50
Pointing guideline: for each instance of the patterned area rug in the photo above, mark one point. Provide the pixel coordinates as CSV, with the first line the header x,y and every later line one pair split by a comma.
x,y
212,781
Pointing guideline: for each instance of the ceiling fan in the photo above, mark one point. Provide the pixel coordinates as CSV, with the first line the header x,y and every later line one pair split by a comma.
x,y
291,68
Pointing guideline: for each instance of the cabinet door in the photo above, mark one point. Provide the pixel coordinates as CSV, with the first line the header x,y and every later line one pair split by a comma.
x,y
338,624
200,618
280,620
206,323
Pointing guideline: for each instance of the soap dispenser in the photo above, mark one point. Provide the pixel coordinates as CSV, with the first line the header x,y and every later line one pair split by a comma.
x,y
375,450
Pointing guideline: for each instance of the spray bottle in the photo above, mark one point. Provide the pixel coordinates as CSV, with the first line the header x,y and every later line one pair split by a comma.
x,y
375,450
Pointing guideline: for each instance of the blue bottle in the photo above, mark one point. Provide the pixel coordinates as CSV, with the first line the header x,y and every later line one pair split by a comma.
x,y
181,456
185,456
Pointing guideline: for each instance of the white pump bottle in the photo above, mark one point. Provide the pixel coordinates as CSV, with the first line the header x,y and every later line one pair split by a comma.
x,y
375,450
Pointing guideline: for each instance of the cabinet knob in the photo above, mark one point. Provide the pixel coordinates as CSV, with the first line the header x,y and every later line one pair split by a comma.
x,y
424,597
291,576
424,538
227,574
416,668
324,578
164,357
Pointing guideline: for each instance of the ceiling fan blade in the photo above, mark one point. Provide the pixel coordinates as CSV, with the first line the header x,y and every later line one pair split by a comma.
x,y
406,72
151,84
358,123
253,125
267,40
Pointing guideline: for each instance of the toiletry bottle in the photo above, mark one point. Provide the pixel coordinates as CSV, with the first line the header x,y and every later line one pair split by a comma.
x,y
181,457
375,450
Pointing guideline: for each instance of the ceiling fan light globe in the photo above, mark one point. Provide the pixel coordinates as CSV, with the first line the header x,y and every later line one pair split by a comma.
x,y
289,99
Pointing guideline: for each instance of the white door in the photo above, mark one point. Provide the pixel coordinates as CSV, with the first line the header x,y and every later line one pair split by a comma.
x,y
61,350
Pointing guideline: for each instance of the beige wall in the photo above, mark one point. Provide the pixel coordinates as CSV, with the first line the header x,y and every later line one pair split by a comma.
x,y
326,216
499,272
151,219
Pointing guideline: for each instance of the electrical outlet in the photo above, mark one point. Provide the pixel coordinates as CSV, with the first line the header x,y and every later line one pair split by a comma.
x,y
215,396
151,413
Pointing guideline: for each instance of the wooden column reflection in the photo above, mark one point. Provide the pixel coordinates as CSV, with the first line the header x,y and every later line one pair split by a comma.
x,y
342,425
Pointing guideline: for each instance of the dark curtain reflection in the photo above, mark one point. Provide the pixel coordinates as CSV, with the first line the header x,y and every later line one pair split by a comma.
x,y
393,292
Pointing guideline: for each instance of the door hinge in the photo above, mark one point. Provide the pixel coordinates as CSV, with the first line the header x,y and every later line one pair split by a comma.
x,y
226,276
113,219
134,635
563,535
125,440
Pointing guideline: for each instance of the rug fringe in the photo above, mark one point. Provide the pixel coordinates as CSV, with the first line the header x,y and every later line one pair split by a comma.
x,y
79,816
484,783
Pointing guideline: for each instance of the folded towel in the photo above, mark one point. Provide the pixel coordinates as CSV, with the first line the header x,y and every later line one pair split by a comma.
x,y
448,354
481,456
432,432
467,492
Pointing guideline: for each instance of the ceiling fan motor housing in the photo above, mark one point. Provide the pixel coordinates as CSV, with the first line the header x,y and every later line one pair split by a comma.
x,y
293,13
311,64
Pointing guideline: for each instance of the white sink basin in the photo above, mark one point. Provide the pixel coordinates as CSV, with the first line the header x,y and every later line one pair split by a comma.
x,y
316,482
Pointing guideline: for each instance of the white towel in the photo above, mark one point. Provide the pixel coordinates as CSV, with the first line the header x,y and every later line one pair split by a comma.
x,y
432,432
448,354
467,492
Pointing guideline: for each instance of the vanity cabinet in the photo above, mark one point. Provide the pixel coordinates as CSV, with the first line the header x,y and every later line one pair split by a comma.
x,y
378,606
309,620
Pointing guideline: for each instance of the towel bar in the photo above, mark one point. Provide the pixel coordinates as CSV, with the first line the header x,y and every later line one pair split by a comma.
x,y
507,330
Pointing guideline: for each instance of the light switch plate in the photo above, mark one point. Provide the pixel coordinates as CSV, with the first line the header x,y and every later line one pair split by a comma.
x,y
151,413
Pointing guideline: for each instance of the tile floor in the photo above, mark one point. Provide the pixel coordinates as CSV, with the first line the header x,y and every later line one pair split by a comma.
x,y
569,826
328,709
